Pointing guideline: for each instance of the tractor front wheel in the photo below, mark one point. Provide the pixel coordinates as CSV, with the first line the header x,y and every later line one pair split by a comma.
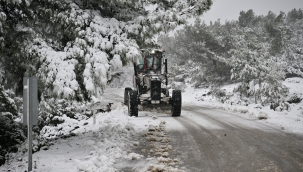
x,y
126,91
133,103
176,103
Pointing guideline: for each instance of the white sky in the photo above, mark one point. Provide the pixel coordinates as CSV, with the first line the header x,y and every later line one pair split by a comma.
x,y
230,9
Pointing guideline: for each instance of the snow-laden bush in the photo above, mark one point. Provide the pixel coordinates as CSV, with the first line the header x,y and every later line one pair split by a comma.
x,y
294,99
218,92
52,112
7,103
57,118
252,68
11,134
82,68
221,95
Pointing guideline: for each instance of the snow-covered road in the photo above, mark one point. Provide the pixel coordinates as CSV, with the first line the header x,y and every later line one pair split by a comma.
x,y
207,139
214,140
202,139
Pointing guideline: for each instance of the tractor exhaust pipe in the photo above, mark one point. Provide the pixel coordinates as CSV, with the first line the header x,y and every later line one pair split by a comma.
x,y
165,63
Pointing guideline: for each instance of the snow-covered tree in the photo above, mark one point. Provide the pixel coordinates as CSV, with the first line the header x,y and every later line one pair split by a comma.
x,y
294,15
246,18
256,48
11,132
74,46
292,51
199,44
257,65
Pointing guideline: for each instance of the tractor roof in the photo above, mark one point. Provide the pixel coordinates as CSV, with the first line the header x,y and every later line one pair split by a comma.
x,y
150,51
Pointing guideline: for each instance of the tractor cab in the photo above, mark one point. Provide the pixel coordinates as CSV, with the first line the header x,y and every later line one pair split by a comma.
x,y
150,63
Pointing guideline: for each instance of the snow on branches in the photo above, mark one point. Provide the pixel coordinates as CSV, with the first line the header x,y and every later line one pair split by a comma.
x,y
79,45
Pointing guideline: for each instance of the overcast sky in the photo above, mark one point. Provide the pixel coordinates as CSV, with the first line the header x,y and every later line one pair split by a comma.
x,y
230,9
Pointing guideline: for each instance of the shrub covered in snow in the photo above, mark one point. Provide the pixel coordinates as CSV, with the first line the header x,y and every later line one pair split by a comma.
x,y
8,105
51,112
11,134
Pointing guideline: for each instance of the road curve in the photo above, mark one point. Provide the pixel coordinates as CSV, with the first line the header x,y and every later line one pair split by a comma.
x,y
212,140
207,139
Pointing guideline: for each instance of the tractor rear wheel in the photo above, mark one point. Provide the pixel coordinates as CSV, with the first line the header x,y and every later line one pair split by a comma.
x,y
133,103
176,103
126,90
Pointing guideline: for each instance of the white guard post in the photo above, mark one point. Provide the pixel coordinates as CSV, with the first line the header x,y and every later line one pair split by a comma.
x,y
30,111
97,105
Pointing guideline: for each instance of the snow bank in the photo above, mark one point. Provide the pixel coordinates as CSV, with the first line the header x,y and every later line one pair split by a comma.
x,y
113,137
94,148
290,120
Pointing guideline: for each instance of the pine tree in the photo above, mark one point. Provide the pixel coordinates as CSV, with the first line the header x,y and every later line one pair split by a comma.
x,y
294,15
255,48
246,18
199,44
73,46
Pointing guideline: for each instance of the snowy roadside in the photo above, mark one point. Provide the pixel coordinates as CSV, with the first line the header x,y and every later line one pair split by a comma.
x,y
155,145
94,148
105,146
290,120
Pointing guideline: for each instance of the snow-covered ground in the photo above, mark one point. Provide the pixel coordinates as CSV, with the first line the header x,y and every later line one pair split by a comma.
x,y
290,120
108,145
102,147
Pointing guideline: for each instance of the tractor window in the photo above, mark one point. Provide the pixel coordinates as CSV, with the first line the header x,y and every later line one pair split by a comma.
x,y
149,62
140,66
156,63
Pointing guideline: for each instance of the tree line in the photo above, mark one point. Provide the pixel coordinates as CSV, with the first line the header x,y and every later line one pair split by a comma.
x,y
265,49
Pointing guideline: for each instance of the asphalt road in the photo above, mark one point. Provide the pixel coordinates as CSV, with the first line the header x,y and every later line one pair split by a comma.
x,y
213,140
206,139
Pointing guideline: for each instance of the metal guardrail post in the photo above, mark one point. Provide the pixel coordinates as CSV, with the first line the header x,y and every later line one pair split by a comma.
x,y
30,112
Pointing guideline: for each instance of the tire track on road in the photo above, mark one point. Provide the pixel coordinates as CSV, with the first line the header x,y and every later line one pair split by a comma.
x,y
269,145
227,154
205,144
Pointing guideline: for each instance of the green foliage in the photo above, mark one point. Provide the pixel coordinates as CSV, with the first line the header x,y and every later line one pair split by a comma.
x,y
200,44
295,15
264,48
70,44
52,111
271,29
276,44
11,134
246,18
7,104
13,58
